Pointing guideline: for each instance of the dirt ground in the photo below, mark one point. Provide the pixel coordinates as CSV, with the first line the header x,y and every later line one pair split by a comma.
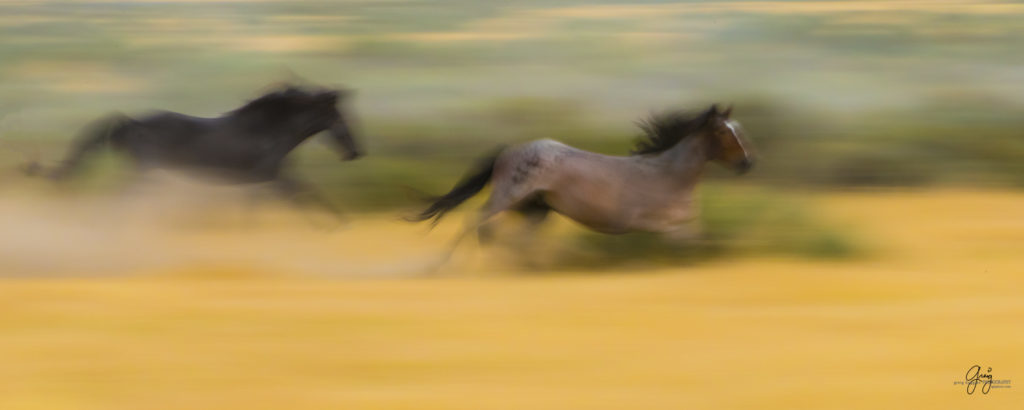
x,y
106,309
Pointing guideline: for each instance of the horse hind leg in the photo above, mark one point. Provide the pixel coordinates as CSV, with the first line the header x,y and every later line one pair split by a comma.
x,y
513,184
93,138
515,188
501,200
533,210
508,194
486,214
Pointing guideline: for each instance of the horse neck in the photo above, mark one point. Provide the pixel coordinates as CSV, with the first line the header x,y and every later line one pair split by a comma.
x,y
685,161
287,134
300,135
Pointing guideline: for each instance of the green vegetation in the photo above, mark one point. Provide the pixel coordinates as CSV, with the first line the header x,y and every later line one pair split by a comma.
x,y
734,220
902,95
832,95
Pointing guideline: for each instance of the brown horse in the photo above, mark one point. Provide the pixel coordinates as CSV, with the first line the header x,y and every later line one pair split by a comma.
x,y
651,190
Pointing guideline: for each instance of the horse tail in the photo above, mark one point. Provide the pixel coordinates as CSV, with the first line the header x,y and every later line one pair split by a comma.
x,y
470,185
94,137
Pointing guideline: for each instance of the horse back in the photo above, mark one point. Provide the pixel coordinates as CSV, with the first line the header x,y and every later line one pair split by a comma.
x,y
172,126
174,139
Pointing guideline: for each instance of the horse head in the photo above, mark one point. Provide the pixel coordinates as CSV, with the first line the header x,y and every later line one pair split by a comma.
x,y
325,106
728,145
306,111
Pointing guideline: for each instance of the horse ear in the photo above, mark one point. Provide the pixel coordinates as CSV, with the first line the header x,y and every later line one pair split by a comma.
x,y
727,112
344,93
714,109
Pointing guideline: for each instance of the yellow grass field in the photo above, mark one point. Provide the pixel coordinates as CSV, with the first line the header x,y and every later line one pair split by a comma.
x,y
287,316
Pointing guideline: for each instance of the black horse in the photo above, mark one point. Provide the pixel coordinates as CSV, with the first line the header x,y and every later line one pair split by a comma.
x,y
247,145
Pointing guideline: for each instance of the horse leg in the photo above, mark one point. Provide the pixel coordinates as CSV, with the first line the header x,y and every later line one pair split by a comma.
x,y
485,232
501,200
488,212
534,213
94,138
303,194
533,210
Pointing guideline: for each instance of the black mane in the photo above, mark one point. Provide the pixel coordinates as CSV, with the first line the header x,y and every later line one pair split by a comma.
x,y
276,105
664,130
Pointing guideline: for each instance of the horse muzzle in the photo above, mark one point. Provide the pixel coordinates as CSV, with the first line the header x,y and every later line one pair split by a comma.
x,y
744,165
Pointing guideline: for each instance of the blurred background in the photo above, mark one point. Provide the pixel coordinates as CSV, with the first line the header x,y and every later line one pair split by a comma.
x,y
833,93
884,215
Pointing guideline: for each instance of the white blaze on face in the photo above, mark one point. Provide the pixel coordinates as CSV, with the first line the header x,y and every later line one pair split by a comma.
x,y
735,127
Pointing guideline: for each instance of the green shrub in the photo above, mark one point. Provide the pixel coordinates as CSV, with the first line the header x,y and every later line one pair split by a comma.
x,y
735,221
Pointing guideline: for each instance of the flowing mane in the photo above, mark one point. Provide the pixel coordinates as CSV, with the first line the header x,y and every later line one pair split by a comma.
x,y
664,130
274,104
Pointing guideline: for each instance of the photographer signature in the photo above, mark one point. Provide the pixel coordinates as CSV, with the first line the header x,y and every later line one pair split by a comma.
x,y
975,376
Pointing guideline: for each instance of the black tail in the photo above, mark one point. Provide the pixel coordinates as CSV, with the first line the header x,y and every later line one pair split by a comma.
x,y
470,185
95,136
